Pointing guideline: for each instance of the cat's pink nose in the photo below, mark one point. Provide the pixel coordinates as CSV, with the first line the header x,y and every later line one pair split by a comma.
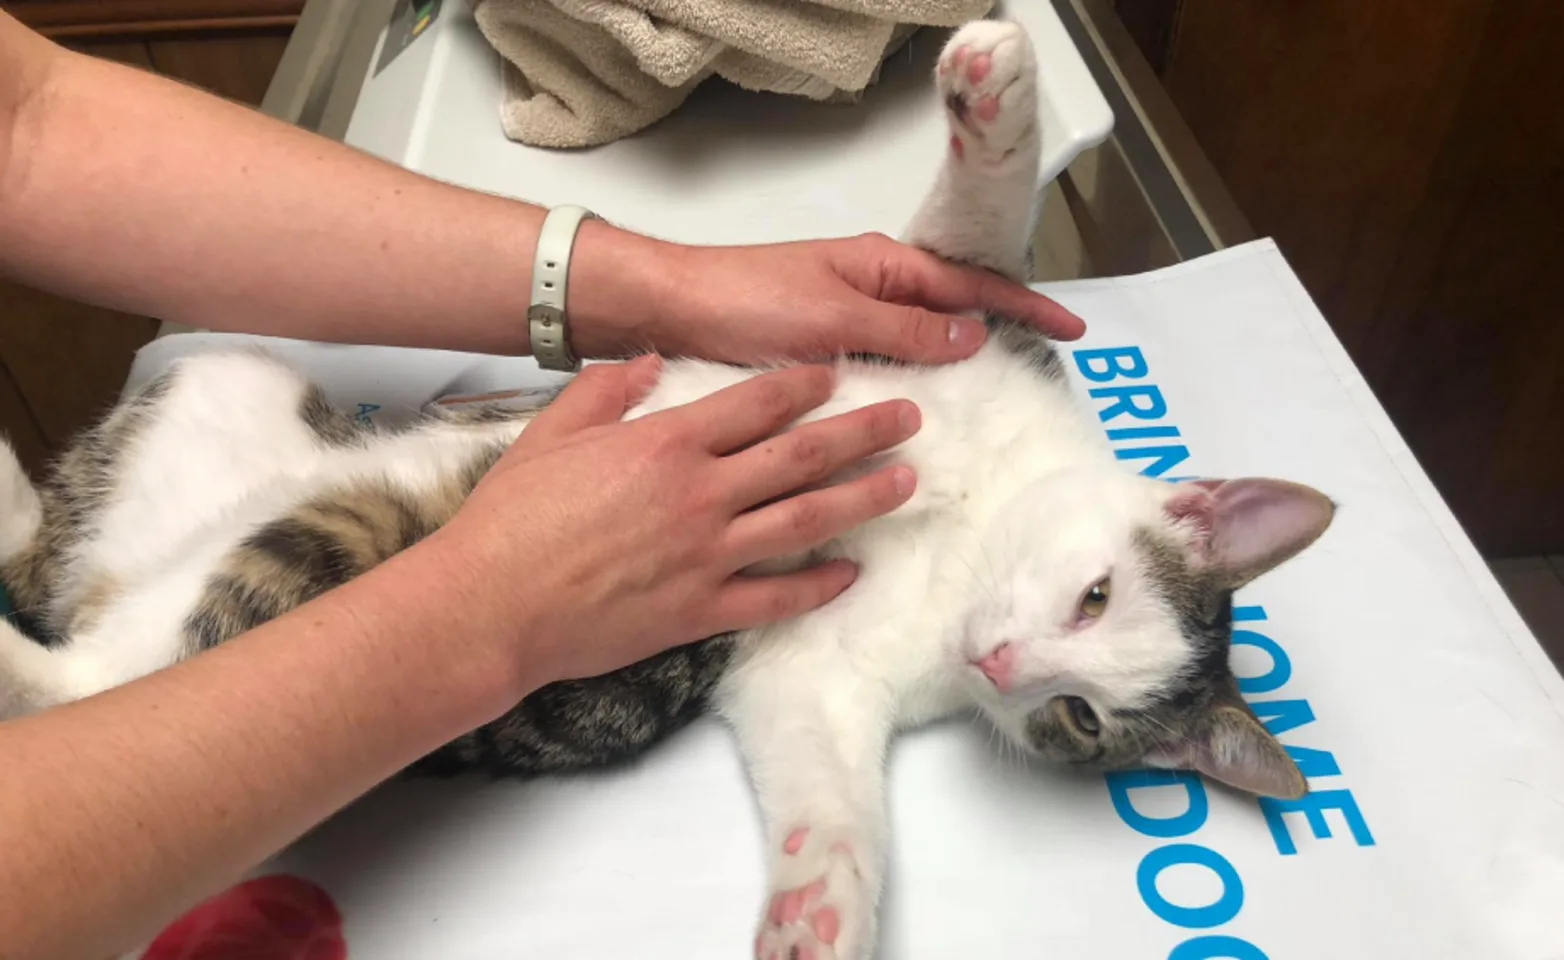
x,y
997,666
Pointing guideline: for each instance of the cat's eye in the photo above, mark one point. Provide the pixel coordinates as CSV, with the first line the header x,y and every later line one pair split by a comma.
x,y
1082,716
1095,600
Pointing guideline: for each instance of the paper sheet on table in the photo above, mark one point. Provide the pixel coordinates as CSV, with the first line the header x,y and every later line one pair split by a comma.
x,y
1426,715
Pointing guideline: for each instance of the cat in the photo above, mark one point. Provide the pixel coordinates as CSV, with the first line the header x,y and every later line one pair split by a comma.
x,y
1085,610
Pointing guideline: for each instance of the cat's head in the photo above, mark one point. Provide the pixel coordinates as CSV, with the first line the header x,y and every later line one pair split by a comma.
x,y
1102,639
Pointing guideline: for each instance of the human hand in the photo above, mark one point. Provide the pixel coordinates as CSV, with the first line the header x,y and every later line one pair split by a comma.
x,y
817,299
809,300
612,541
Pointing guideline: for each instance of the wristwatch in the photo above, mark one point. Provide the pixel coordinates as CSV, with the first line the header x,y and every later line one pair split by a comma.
x,y
548,324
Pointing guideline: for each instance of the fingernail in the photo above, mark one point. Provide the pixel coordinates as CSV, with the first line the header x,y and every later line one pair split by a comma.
x,y
1063,325
848,570
909,418
904,480
966,333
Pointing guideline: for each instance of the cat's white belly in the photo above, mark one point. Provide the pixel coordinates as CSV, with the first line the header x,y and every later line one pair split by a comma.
x,y
896,634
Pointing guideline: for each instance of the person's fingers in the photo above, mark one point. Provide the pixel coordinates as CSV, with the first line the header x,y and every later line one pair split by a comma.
x,y
913,333
642,374
905,275
599,394
1013,301
813,453
749,412
746,602
805,521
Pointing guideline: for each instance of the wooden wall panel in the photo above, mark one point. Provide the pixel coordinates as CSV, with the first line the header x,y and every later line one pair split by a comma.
x,y
1408,157
132,52
17,421
67,359
1476,295
239,68
1153,24
82,19
1324,119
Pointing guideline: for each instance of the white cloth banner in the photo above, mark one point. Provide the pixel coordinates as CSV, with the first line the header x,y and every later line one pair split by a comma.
x,y
1387,658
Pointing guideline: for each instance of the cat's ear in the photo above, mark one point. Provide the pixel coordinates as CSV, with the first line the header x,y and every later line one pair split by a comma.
x,y
1233,747
1245,527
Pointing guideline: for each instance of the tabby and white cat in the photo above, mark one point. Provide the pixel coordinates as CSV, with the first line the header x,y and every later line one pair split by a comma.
x,y
1084,609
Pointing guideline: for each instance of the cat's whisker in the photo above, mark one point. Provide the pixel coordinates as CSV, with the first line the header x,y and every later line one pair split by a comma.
x,y
982,549
977,577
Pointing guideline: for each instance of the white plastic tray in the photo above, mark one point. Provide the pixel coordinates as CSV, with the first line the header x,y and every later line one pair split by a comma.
x,y
727,167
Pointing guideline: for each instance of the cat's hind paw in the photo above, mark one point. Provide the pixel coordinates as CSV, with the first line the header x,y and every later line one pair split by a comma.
x,y
820,906
987,77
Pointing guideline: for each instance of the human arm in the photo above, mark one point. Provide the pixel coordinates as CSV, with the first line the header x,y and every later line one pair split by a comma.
x,y
120,811
128,190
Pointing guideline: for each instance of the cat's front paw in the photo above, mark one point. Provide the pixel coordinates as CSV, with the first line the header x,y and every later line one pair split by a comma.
x,y
988,78
821,905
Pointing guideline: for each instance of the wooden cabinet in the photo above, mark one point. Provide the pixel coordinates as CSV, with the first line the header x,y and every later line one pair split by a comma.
x,y
1408,158
61,363
122,19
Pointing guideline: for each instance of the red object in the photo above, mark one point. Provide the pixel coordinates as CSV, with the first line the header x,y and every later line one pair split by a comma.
x,y
270,918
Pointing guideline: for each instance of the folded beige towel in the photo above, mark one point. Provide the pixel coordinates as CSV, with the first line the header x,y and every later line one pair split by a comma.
x,y
585,72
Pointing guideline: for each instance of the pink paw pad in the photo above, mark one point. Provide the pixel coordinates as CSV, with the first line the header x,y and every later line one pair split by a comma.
x,y
795,841
789,906
814,912
978,69
826,925
957,147
987,108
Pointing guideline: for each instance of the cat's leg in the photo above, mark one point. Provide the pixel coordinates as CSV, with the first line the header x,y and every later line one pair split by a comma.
x,y
119,636
814,735
34,677
983,205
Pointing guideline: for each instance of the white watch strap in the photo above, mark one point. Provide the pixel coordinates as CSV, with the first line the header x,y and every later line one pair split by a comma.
x,y
547,322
